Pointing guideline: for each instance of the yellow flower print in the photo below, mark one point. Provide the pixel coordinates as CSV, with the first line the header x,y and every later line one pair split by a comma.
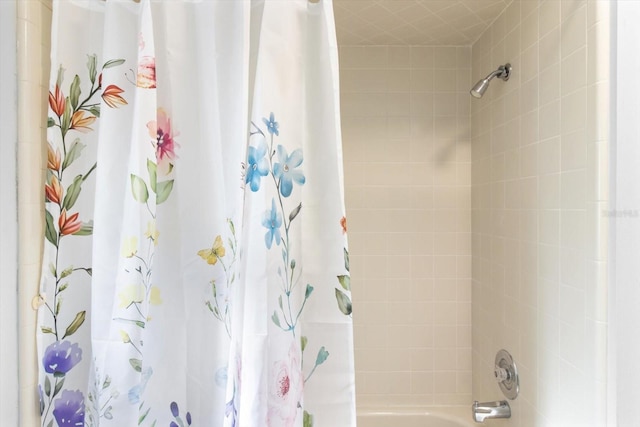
x,y
211,255
154,298
152,232
131,294
125,336
130,247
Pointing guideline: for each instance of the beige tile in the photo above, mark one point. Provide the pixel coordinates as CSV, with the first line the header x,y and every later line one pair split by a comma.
x,y
549,16
573,109
422,57
549,90
574,71
574,30
529,30
445,57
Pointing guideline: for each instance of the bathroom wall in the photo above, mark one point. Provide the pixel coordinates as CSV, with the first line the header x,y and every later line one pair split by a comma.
x,y
407,162
625,224
33,39
8,218
539,203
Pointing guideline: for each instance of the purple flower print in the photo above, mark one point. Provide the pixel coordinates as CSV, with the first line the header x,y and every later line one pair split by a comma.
x,y
175,411
69,409
60,357
232,411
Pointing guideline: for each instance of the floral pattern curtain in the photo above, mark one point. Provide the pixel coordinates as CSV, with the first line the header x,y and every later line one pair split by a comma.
x,y
196,268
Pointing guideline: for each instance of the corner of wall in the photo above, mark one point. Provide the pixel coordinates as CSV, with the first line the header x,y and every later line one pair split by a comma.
x,y
33,40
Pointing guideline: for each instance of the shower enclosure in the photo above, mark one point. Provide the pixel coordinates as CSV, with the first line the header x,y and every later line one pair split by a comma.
x,y
474,224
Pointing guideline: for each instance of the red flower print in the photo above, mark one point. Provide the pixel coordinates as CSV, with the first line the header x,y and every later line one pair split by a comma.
x,y
54,191
112,98
146,77
53,158
57,101
81,123
164,143
69,225
343,223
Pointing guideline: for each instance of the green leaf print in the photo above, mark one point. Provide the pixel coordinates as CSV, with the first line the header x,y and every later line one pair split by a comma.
x,y
139,189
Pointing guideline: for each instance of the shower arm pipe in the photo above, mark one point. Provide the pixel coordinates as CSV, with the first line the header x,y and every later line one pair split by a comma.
x,y
502,73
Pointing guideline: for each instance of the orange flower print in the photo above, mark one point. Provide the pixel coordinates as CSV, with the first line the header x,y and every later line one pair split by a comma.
x,y
69,225
162,133
112,98
81,123
146,77
57,101
343,223
53,158
54,191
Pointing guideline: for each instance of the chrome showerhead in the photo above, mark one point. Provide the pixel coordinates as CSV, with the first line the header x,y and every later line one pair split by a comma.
x,y
480,88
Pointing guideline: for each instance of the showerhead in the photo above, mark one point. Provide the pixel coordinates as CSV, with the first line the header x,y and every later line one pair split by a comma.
x,y
480,88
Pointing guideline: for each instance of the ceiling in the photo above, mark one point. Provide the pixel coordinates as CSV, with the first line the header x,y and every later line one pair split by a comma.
x,y
414,22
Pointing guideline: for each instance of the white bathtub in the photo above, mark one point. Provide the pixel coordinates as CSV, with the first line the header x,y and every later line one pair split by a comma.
x,y
446,416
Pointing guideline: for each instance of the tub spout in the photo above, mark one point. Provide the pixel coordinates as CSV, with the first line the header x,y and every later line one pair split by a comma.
x,y
484,410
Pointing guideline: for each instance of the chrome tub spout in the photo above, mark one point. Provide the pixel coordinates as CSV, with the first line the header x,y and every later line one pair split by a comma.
x,y
484,410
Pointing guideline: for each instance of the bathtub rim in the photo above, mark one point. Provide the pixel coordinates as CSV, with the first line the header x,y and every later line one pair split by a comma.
x,y
455,413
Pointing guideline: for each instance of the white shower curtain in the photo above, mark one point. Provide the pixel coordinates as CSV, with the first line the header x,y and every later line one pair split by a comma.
x,y
196,269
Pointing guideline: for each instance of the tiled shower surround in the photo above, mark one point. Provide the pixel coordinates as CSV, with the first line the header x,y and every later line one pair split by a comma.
x,y
407,162
486,212
540,193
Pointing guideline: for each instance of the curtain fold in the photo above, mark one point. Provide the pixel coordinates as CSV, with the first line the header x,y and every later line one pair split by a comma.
x,y
196,264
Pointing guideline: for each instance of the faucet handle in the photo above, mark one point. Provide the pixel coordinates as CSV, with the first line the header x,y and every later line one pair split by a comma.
x,y
501,374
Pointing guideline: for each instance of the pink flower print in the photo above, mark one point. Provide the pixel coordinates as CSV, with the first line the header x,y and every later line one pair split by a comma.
x,y
146,77
286,388
140,41
164,143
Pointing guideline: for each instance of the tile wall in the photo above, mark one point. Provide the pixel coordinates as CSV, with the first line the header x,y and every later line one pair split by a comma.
x,y
34,45
407,161
540,144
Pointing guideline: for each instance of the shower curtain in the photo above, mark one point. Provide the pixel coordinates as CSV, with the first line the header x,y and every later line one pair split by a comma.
x,y
196,268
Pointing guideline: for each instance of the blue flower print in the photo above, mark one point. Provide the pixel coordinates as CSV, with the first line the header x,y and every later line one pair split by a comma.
x,y
60,357
272,221
285,170
137,390
69,409
258,165
272,125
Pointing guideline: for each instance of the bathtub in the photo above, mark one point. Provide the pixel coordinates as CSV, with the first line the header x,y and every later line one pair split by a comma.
x,y
445,416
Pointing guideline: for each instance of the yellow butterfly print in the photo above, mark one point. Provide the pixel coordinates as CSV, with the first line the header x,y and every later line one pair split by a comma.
x,y
211,255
